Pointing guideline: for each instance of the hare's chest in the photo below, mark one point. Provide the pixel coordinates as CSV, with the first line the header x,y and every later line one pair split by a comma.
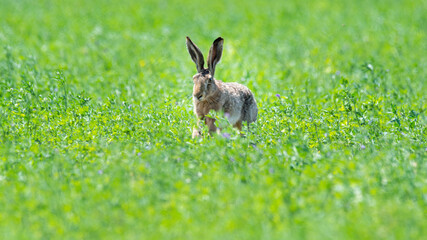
x,y
203,108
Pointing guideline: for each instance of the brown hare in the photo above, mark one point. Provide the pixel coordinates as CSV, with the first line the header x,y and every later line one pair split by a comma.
x,y
235,100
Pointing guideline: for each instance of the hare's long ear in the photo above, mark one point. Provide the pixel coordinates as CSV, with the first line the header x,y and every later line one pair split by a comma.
x,y
215,54
195,54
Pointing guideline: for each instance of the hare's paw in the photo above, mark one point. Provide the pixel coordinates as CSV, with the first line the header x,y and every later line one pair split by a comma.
x,y
196,133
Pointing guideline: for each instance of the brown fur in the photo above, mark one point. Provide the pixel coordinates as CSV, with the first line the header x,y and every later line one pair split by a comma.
x,y
234,99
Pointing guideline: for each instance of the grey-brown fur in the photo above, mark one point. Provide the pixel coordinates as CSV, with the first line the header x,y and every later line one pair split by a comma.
x,y
234,99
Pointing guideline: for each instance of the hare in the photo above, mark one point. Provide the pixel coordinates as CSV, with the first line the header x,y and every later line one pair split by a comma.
x,y
235,100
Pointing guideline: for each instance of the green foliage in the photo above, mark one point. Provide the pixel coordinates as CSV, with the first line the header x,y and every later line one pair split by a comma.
x,y
96,121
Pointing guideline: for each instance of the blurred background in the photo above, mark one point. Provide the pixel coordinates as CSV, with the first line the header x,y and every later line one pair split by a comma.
x,y
135,47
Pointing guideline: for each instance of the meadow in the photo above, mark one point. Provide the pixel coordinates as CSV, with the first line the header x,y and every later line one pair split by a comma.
x,y
96,120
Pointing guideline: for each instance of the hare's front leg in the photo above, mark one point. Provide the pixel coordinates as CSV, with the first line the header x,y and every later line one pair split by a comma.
x,y
210,122
196,130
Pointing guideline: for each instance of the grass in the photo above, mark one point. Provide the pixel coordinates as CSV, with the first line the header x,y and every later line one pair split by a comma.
x,y
96,121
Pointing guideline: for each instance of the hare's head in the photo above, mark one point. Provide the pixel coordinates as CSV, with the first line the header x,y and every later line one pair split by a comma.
x,y
204,83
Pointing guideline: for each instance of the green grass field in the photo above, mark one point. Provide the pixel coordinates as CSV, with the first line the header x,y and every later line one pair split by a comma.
x,y
96,120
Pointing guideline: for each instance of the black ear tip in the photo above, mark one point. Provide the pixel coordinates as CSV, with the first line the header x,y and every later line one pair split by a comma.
x,y
218,40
